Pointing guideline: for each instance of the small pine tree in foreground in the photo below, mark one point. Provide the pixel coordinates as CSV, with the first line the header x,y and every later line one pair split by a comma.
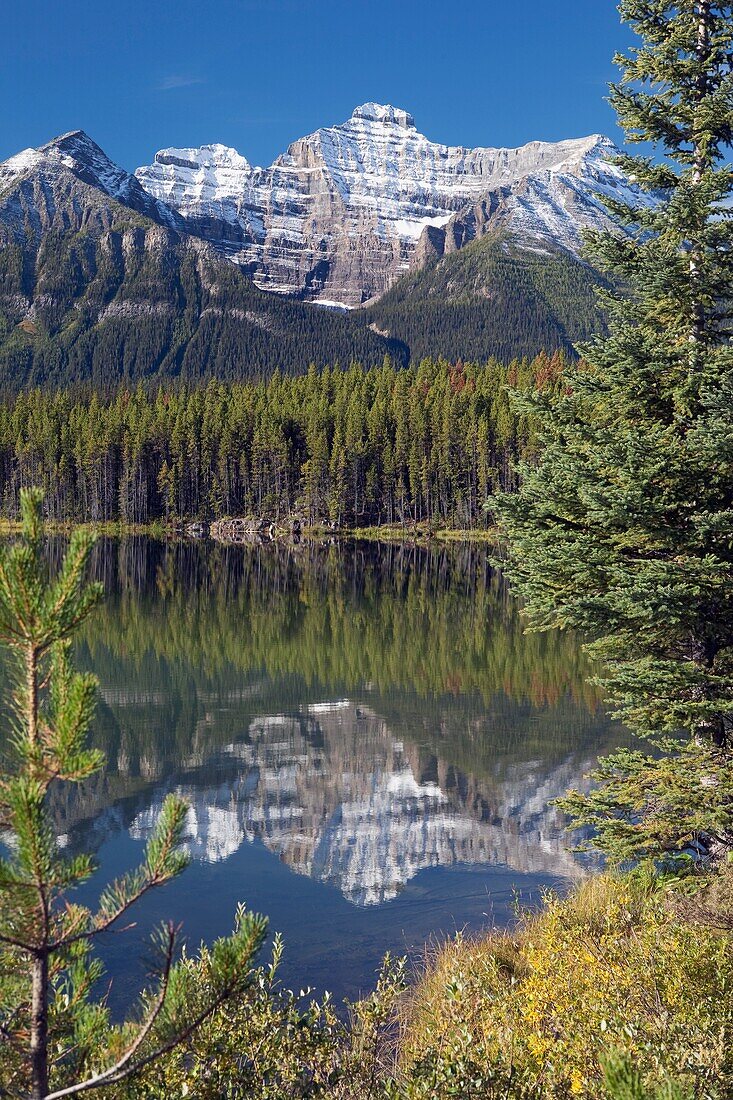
x,y
624,529
56,1039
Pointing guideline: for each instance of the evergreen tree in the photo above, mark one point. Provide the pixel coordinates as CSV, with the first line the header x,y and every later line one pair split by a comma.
x,y
624,528
57,1040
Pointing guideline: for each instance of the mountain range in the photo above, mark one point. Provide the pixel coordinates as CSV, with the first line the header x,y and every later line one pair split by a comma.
x,y
201,264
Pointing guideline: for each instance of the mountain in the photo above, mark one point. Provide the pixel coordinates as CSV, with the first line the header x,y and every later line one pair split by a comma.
x,y
100,281
351,208
492,297
64,184
335,796
466,253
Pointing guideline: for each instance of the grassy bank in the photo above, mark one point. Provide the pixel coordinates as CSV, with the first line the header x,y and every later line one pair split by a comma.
x,y
421,532
621,968
111,529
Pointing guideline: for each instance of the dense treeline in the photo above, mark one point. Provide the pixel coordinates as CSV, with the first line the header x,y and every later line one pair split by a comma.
x,y
346,447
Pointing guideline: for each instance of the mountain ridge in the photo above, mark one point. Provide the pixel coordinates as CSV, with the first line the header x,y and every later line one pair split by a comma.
x,y
106,275
491,298
345,211
99,282
79,155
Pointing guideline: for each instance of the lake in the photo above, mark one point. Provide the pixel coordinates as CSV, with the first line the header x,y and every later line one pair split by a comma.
x,y
367,740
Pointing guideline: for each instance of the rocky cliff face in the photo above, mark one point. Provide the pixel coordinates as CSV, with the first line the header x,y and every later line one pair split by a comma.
x,y
350,208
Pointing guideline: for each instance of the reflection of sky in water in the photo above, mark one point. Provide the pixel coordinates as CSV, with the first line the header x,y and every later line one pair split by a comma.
x,y
373,720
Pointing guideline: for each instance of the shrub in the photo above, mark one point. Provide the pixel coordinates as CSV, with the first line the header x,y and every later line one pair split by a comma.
x,y
615,970
273,1044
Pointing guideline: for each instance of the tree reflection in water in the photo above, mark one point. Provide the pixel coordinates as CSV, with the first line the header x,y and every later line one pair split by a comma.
x,y
361,712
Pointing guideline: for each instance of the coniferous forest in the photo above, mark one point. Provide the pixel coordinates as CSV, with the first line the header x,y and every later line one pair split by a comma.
x,y
492,298
348,447
110,309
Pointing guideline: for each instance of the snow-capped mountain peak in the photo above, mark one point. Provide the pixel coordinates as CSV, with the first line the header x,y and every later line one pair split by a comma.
x,y
206,158
76,155
340,216
384,113
79,153
212,178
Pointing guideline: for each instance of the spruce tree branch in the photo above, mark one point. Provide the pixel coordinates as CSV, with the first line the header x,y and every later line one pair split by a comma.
x,y
11,942
158,878
90,933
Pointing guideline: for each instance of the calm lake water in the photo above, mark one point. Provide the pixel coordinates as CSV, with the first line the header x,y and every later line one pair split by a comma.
x,y
367,741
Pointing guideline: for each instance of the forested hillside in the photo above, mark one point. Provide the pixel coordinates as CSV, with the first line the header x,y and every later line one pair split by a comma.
x,y
139,301
342,446
492,298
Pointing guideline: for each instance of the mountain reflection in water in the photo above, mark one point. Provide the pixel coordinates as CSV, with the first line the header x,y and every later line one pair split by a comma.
x,y
358,714
336,797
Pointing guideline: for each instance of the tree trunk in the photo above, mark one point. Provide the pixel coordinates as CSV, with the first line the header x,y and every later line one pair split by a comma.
x,y
31,669
712,730
701,163
39,1027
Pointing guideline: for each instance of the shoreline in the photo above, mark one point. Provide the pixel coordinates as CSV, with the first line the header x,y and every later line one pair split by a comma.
x,y
419,533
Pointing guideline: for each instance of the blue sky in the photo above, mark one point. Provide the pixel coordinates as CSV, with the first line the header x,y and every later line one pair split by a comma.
x,y
255,74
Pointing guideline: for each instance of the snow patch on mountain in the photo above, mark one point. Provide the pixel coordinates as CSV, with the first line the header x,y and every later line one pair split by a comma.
x,y
17,166
384,112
